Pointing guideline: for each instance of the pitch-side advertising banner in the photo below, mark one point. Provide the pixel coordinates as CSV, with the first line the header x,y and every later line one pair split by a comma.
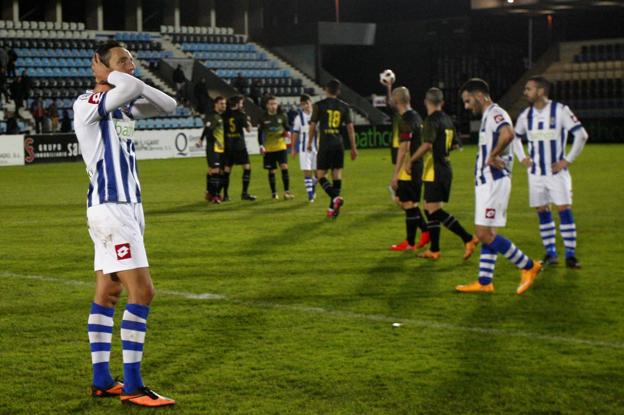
x,y
11,150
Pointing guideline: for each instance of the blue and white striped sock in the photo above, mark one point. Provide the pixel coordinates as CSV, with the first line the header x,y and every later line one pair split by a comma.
x,y
309,185
487,262
100,328
511,252
133,327
548,232
567,227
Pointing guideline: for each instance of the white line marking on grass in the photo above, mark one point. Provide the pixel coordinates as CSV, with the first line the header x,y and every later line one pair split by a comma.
x,y
428,324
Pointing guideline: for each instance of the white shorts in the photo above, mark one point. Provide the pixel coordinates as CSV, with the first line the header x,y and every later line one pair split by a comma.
x,y
117,233
544,190
307,160
491,201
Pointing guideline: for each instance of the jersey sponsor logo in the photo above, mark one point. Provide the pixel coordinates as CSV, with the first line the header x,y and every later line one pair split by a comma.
x,y
123,251
490,213
498,118
95,98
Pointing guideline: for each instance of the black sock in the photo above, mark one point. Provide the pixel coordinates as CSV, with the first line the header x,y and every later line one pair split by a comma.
x,y
272,181
327,187
422,223
451,224
226,183
246,180
208,179
213,184
286,180
221,180
337,185
434,233
412,217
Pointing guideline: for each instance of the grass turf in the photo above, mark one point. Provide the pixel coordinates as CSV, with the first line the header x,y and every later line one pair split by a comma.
x,y
304,324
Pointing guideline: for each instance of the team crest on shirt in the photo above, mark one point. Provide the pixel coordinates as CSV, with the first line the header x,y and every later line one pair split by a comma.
x,y
499,118
123,251
95,98
490,213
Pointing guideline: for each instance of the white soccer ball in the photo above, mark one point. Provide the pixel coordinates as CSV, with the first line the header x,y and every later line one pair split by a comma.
x,y
387,76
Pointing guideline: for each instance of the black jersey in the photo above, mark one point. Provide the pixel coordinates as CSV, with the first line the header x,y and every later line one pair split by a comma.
x,y
330,115
213,132
439,130
410,125
235,122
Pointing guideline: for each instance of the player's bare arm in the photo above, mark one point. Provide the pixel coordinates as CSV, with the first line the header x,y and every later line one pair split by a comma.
x,y
504,139
401,155
351,132
423,149
312,134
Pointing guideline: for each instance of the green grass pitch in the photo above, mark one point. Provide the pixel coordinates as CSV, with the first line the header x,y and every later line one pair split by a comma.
x,y
303,319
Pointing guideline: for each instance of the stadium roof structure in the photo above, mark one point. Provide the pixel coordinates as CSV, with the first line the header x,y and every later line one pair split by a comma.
x,y
540,7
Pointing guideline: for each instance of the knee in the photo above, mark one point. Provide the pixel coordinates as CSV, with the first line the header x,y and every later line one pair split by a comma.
x,y
542,209
486,236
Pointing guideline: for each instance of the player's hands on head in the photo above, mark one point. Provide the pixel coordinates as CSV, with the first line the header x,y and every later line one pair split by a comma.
x,y
100,70
560,165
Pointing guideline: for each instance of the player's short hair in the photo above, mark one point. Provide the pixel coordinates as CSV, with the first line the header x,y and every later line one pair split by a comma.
x,y
269,98
234,100
305,98
435,96
333,87
475,85
103,50
401,94
541,83
219,98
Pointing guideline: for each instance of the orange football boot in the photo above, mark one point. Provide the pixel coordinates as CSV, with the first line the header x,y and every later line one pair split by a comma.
x,y
114,390
429,254
527,276
146,397
470,246
475,287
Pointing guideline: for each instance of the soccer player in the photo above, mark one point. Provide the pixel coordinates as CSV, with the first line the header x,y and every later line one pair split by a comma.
x,y
328,116
215,148
236,123
406,178
300,137
439,136
492,189
272,129
104,124
546,125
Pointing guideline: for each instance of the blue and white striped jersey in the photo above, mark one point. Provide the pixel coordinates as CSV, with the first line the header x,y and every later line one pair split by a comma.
x,y
301,126
107,149
492,121
547,132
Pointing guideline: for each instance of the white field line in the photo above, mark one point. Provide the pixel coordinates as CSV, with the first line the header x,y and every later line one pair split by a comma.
x,y
427,324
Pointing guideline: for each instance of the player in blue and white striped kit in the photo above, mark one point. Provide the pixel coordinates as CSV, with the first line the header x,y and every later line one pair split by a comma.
x,y
492,189
301,135
545,124
104,124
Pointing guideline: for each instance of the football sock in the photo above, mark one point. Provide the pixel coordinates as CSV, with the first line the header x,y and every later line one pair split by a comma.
x,y
213,187
309,186
208,179
433,226
547,232
327,187
567,227
452,224
226,183
133,328
272,181
422,223
286,180
412,217
221,178
337,185
504,246
100,328
487,262
246,180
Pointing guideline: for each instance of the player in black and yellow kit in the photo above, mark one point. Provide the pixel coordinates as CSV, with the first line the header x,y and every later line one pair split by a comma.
x,y
439,137
236,123
396,119
328,117
215,148
406,178
273,128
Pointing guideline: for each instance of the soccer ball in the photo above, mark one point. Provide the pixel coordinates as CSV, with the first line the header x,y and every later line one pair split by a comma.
x,y
387,76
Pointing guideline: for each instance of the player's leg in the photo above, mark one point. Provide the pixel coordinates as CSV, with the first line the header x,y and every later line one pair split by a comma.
x,y
225,181
437,215
269,164
100,327
433,226
408,197
247,179
547,233
308,180
337,201
285,177
562,197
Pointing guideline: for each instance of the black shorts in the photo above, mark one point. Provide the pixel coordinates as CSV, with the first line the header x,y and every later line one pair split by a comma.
x,y
409,190
438,191
215,160
238,157
273,159
330,157
394,151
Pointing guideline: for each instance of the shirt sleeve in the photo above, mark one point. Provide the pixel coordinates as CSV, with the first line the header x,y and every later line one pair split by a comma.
x,y
405,129
521,131
315,114
500,119
297,124
89,108
569,120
